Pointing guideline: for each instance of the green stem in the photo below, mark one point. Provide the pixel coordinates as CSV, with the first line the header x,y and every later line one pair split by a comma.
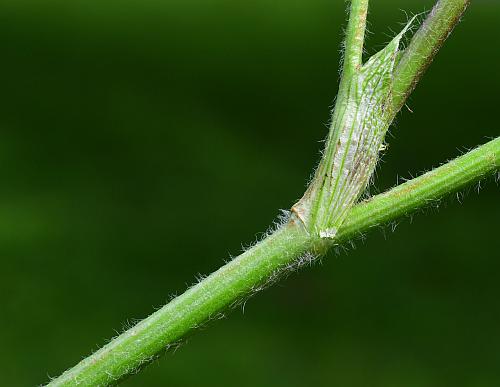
x,y
424,46
292,244
355,37
281,252
421,191
201,303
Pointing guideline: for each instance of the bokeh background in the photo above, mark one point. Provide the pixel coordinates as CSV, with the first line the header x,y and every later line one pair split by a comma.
x,y
143,142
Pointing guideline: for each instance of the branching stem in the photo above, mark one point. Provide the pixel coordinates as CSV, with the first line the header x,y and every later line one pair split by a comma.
x,y
293,244
250,271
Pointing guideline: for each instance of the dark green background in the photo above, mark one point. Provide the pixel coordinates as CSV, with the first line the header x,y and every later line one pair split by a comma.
x,y
141,142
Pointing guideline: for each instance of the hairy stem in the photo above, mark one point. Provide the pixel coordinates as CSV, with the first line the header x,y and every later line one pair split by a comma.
x,y
424,46
422,191
276,254
355,37
294,244
204,301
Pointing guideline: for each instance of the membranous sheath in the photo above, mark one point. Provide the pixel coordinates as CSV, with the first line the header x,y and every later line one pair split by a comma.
x,y
360,121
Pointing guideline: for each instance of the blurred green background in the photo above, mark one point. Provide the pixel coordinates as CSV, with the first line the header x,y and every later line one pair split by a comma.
x,y
142,142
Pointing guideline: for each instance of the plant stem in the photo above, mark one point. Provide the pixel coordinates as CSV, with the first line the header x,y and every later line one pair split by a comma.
x,y
354,40
424,46
292,244
422,191
277,254
204,301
